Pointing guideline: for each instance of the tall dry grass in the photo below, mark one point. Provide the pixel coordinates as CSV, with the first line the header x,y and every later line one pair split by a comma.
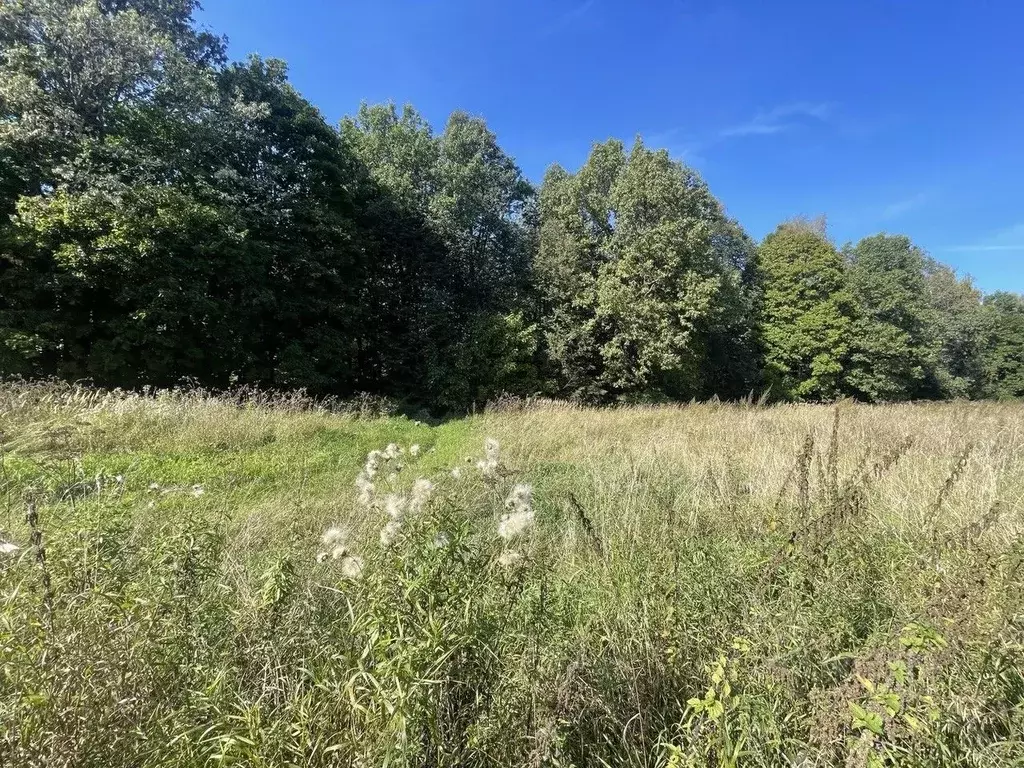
x,y
193,579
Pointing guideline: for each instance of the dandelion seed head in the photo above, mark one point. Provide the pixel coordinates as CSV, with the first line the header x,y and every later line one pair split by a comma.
x,y
457,473
198,490
392,451
154,486
414,450
488,468
441,541
339,552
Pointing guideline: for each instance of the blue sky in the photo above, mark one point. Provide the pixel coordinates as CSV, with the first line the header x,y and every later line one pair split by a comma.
x,y
882,115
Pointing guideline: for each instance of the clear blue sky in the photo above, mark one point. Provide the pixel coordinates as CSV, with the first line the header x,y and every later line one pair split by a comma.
x,y
883,115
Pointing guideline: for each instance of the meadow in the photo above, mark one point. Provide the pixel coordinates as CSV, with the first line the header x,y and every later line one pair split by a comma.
x,y
189,579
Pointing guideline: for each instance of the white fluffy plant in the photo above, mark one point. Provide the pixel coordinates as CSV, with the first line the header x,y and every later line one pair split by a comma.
x,y
421,522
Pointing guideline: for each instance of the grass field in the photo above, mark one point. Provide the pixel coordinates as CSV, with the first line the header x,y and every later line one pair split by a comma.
x,y
188,580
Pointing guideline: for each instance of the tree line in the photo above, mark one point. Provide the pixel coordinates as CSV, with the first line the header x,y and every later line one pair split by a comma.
x,y
169,215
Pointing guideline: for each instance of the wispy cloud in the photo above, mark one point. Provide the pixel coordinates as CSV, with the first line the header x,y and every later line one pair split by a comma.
x,y
575,13
1006,240
782,118
906,205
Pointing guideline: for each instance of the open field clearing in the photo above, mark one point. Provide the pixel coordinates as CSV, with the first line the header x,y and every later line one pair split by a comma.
x,y
188,580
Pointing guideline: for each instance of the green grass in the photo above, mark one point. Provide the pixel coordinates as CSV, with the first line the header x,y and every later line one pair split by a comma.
x,y
703,585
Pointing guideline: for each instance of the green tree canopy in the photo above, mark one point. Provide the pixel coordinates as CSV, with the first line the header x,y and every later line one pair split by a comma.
x,y
892,355
1003,345
638,265
807,315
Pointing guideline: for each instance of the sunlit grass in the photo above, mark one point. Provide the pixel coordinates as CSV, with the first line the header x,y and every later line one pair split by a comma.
x,y
699,585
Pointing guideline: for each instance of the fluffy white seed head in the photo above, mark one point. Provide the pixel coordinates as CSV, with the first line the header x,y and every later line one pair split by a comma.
x,y
421,491
334,536
515,524
441,541
457,473
7,548
373,460
510,558
414,450
352,567
395,506
389,533
520,498
365,487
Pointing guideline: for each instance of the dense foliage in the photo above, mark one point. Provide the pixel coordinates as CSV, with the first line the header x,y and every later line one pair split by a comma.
x,y
166,215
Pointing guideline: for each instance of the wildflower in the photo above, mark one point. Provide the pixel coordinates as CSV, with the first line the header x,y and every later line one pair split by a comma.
x,y
197,490
441,541
7,548
390,532
352,567
421,490
457,473
414,450
509,558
